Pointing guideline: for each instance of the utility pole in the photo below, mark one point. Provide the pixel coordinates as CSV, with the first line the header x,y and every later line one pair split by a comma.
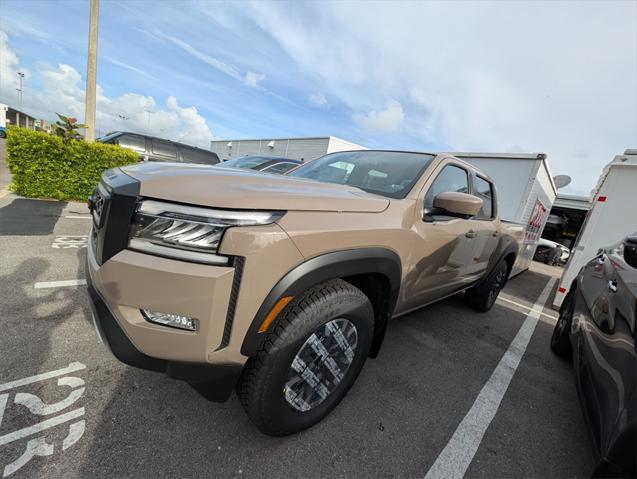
x,y
91,72
21,75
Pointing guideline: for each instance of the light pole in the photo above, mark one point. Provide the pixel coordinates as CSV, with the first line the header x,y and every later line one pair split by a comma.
x,y
91,71
21,75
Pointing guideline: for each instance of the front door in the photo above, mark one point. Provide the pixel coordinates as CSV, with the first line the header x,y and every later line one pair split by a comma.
x,y
444,246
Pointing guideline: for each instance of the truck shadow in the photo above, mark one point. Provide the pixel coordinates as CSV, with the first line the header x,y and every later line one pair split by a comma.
x,y
32,342
28,217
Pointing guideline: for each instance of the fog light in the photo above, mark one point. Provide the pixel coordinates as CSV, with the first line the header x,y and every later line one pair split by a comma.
x,y
172,320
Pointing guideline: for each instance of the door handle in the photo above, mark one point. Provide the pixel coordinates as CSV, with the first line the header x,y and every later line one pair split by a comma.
x,y
612,286
470,234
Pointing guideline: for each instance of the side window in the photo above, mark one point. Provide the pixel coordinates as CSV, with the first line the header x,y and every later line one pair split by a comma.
x,y
164,148
192,155
484,191
280,168
451,178
134,142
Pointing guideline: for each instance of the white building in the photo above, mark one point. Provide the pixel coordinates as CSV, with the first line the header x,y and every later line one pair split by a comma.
x,y
295,148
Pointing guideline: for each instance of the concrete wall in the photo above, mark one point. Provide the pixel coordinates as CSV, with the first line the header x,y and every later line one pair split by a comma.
x,y
296,148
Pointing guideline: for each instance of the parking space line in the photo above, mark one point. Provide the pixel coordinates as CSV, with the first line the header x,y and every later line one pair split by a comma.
x,y
60,284
554,318
71,368
455,458
78,217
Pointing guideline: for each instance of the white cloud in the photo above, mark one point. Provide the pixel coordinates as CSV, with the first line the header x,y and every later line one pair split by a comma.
x,y
388,120
126,66
478,77
253,79
63,93
318,100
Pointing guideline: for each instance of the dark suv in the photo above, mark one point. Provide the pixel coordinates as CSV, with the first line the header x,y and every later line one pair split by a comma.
x,y
157,149
596,329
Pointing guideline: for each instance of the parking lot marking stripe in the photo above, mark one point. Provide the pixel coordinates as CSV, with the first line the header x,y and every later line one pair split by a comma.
x,y
41,426
455,458
60,284
78,217
554,318
71,368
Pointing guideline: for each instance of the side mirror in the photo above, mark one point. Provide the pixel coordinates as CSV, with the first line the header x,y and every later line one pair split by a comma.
x,y
630,251
460,204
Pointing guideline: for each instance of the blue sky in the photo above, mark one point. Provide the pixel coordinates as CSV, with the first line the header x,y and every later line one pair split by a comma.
x,y
558,77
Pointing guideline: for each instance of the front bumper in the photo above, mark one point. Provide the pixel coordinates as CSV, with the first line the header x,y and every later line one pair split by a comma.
x,y
215,381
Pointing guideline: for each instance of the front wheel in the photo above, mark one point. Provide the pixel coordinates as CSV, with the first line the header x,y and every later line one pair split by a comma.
x,y
309,360
482,297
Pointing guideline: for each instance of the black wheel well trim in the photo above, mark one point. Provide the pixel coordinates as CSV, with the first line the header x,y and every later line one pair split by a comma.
x,y
342,264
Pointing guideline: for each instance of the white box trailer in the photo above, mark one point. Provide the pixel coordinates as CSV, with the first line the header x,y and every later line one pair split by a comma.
x,y
612,217
526,193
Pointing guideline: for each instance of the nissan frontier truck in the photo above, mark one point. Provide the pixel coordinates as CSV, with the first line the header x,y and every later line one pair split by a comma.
x,y
281,287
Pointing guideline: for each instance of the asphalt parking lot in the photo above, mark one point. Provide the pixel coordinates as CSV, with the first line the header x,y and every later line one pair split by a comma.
x,y
69,409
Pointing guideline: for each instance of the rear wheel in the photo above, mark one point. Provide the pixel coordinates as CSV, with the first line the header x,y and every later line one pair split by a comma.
x,y
309,360
560,341
482,297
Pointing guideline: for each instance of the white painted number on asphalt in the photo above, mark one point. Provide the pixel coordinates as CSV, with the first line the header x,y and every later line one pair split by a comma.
x,y
38,446
70,241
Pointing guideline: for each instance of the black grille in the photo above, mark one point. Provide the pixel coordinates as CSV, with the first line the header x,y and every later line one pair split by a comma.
x,y
238,262
112,208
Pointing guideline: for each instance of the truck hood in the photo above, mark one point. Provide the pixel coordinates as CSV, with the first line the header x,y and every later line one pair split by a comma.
x,y
245,189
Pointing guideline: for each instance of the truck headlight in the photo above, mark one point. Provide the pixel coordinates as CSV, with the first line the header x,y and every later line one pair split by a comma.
x,y
188,233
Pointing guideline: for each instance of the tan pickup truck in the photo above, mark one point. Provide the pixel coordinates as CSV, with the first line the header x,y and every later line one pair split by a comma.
x,y
282,286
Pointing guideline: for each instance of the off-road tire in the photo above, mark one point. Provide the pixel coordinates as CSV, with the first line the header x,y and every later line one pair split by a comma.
x,y
482,297
560,341
261,387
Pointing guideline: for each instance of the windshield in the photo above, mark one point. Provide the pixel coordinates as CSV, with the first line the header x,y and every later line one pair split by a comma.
x,y
387,173
245,162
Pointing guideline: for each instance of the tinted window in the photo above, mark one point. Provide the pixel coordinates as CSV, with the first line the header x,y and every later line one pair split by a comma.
x,y
452,178
387,173
110,138
133,142
484,191
246,162
164,148
280,168
193,155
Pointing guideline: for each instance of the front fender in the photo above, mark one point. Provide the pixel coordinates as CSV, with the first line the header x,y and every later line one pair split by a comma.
x,y
339,264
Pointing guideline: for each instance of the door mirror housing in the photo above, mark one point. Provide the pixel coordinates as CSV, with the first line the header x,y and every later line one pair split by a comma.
x,y
457,204
630,251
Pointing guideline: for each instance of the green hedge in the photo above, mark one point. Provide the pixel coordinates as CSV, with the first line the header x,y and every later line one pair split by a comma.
x,y
43,166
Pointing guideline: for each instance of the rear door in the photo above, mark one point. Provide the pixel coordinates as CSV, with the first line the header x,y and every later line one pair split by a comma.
x,y
486,240
445,246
